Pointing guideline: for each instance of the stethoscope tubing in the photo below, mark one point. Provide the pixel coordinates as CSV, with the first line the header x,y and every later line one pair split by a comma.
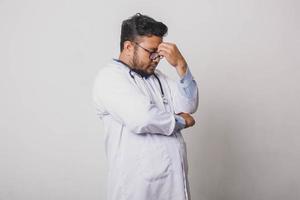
x,y
165,101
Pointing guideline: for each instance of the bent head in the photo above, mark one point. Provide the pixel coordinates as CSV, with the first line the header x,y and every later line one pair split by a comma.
x,y
140,38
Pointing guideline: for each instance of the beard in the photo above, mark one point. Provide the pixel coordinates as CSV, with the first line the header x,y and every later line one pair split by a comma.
x,y
137,67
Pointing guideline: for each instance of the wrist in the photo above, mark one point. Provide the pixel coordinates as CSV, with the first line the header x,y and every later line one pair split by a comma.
x,y
180,122
181,68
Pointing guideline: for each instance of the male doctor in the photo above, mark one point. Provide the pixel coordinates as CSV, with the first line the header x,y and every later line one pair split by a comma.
x,y
143,112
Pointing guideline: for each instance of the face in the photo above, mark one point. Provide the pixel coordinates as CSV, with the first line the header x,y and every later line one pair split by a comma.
x,y
141,57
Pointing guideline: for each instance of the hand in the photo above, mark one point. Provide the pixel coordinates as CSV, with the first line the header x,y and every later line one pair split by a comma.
x,y
173,56
189,120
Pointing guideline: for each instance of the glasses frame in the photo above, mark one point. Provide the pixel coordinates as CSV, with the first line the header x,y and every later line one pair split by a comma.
x,y
153,55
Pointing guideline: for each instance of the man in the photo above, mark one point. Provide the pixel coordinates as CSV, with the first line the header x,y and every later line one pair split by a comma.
x,y
143,112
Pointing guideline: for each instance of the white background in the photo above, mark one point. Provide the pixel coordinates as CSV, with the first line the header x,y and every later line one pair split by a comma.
x,y
244,55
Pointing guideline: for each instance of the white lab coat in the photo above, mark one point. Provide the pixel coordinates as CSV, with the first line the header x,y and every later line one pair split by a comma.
x,y
147,160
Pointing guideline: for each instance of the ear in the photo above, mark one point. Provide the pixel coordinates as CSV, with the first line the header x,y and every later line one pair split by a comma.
x,y
128,47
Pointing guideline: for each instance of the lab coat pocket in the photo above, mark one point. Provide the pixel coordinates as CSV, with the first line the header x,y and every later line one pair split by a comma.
x,y
155,163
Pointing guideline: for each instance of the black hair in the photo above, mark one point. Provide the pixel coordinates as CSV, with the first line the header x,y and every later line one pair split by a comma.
x,y
141,25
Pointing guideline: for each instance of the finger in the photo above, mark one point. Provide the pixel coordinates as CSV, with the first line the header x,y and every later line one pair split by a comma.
x,y
164,52
167,50
167,44
163,45
170,49
170,46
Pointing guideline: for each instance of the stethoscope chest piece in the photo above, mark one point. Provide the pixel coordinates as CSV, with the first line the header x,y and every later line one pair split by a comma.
x,y
165,100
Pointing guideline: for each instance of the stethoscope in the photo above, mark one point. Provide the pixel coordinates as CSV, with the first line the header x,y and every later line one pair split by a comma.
x,y
165,100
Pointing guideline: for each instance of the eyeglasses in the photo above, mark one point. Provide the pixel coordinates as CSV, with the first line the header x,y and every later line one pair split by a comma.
x,y
153,55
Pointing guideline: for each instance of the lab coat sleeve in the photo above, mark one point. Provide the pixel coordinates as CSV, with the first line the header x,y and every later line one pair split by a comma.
x,y
114,94
185,94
